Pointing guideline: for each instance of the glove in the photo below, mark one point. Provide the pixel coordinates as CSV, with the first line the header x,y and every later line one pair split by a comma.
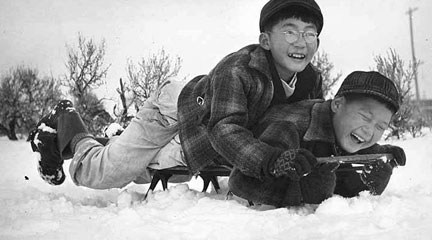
x,y
376,176
398,154
294,163
320,183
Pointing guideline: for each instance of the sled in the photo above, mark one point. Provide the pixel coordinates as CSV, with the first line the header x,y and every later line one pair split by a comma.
x,y
210,174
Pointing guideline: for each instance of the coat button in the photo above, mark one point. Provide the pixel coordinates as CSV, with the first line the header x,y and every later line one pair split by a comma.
x,y
200,100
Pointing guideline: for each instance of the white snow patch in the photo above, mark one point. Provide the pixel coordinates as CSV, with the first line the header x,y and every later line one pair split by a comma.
x,y
70,109
33,209
46,128
113,129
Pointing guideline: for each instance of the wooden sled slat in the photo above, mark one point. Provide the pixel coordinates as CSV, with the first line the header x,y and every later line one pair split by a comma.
x,y
210,174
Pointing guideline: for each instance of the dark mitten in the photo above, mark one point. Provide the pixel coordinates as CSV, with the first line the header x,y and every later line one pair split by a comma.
x,y
319,184
376,176
398,154
50,165
294,163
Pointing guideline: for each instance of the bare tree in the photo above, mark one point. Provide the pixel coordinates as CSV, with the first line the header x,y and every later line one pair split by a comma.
x,y
86,71
122,112
325,67
150,73
85,66
408,117
24,97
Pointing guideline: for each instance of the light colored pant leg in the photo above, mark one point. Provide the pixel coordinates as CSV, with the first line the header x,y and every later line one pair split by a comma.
x,y
126,159
169,156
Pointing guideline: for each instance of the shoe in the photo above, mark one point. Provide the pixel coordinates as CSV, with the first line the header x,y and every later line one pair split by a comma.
x,y
50,165
51,139
49,121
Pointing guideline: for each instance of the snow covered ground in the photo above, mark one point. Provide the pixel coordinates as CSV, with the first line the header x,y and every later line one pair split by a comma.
x,y
32,209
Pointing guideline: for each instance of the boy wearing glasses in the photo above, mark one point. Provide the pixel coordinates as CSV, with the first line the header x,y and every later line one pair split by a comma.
x,y
213,114
216,112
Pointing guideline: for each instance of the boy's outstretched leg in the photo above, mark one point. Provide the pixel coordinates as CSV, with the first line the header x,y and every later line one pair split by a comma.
x,y
54,138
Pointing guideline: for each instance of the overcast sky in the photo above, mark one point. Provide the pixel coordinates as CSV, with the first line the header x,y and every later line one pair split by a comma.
x,y
201,32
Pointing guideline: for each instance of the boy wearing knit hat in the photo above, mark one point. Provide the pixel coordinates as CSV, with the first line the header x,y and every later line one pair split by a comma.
x,y
216,112
351,123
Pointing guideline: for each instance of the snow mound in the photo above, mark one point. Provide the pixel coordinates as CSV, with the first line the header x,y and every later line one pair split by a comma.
x,y
32,209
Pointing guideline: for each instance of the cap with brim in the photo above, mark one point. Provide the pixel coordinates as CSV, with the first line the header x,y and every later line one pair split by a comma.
x,y
274,6
371,83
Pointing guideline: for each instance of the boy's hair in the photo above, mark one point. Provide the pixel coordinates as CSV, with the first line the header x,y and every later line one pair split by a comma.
x,y
278,10
371,84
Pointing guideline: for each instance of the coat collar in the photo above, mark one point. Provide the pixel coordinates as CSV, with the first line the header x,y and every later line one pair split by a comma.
x,y
260,62
321,124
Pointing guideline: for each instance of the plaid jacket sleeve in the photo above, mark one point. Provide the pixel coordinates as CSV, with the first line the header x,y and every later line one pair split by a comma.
x,y
237,101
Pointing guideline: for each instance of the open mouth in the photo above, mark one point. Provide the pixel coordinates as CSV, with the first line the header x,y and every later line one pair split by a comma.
x,y
357,138
297,56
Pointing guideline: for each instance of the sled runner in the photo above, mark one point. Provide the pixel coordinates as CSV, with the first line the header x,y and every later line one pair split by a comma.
x,y
210,174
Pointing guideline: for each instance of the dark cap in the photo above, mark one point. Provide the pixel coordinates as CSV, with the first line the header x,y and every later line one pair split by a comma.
x,y
274,6
371,83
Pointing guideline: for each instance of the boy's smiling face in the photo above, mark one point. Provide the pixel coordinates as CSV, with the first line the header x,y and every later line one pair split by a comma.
x,y
293,57
359,123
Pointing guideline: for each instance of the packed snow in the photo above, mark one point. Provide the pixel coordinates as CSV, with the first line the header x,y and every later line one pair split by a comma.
x,y
33,209
113,129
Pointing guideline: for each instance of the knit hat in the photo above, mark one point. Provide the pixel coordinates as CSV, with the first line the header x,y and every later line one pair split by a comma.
x,y
371,83
274,6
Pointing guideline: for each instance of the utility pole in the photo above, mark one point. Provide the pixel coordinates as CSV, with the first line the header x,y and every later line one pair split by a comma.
x,y
414,60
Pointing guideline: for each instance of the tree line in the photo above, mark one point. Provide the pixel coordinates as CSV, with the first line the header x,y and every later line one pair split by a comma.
x,y
25,96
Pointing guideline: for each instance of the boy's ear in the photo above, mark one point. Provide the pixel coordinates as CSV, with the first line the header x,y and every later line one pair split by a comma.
x,y
337,103
264,40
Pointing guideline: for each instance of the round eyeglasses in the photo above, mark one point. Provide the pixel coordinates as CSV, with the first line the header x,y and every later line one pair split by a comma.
x,y
291,36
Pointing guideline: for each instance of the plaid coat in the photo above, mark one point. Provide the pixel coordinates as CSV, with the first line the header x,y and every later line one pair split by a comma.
x,y
216,112
308,125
